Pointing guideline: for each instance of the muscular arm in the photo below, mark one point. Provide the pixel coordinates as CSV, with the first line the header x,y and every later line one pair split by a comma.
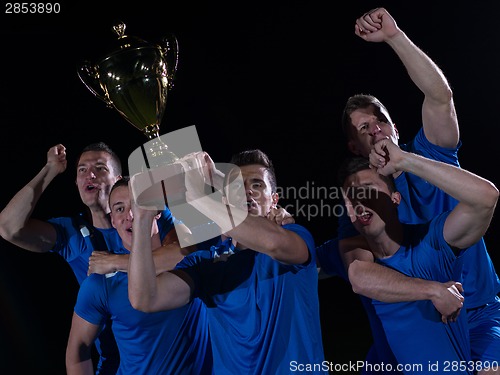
x,y
147,291
254,232
79,348
439,116
477,197
257,233
384,284
165,257
16,224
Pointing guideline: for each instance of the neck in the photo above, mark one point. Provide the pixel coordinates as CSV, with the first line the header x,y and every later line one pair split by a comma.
x,y
100,219
387,243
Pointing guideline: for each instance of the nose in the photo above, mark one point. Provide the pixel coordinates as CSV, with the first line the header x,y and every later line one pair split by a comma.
x,y
91,174
248,190
130,216
374,128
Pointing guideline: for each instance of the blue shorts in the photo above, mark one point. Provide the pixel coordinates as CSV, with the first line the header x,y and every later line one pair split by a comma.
x,y
484,331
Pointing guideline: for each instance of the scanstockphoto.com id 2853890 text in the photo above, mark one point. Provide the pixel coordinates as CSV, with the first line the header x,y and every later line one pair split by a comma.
x,y
429,367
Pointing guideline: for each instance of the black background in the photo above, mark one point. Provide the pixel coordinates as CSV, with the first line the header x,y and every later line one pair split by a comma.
x,y
251,74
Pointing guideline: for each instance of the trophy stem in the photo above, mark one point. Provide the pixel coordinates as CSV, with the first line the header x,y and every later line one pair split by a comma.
x,y
161,161
159,154
152,131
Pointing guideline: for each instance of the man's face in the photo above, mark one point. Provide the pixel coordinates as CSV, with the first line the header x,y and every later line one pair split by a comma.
x,y
95,176
122,217
259,197
370,125
121,214
369,202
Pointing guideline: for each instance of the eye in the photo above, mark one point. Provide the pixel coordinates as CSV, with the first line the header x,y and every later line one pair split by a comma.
x,y
363,126
256,185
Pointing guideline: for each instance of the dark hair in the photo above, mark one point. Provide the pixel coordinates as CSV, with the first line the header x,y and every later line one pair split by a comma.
x,y
256,156
120,182
124,181
101,146
354,164
359,101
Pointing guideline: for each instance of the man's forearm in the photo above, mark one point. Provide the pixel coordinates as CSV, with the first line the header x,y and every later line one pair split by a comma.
x,y
384,284
422,70
461,184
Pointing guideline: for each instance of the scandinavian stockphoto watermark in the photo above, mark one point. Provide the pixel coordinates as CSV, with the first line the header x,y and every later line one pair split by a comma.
x,y
310,201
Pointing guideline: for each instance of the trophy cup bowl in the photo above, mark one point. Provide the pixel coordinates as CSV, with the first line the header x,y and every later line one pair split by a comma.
x,y
134,79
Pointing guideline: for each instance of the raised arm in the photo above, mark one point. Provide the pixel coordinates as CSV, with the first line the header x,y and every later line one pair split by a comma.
x,y
16,224
147,291
439,117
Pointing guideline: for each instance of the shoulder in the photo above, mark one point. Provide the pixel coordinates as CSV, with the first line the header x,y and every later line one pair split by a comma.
x,y
302,231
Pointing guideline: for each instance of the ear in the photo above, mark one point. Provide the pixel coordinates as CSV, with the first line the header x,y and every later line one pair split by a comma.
x,y
348,206
396,198
112,221
353,147
396,131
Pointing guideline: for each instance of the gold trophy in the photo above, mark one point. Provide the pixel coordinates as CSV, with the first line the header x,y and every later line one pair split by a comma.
x,y
134,79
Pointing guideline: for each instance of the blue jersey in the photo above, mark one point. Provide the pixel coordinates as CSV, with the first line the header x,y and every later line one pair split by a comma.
x,y
263,315
414,329
166,342
75,245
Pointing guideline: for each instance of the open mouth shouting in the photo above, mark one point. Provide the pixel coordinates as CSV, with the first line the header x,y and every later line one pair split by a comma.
x,y
363,215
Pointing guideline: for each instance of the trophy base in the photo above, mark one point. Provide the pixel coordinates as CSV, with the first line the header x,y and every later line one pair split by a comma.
x,y
159,187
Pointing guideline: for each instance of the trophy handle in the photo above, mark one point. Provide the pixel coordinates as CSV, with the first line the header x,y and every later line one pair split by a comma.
x,y
90,77
170,49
